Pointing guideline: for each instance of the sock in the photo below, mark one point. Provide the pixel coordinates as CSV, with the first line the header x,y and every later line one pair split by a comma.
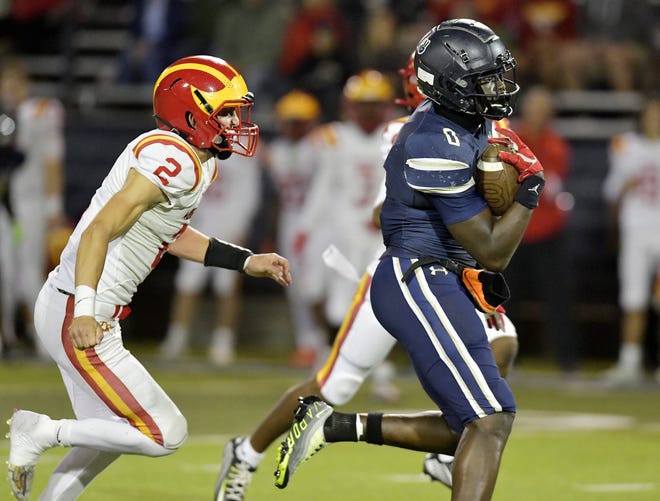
x,y
107,436
177,331
246,452
341,427
223,337
630,356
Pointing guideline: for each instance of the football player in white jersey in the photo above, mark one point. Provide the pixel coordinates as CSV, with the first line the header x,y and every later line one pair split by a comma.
x,y
632,188
360,346
141,210
288,162
36,190
229,206
339,202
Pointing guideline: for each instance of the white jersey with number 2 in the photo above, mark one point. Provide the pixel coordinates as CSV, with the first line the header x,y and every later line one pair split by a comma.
x,y
170,163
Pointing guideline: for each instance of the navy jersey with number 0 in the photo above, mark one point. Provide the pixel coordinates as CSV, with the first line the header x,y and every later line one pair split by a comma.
x,y
430,184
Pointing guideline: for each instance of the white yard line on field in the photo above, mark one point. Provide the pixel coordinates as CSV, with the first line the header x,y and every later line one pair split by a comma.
x,y
639,487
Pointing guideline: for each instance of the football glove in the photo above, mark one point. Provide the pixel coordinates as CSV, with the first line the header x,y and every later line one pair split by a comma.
x,y
521,158
495,320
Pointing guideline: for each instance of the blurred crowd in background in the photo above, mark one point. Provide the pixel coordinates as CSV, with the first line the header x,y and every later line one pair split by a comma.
x,y
316,44
297,56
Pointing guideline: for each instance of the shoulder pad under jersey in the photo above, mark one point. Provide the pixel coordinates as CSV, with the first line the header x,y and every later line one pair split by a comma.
x,y
323,135
168,161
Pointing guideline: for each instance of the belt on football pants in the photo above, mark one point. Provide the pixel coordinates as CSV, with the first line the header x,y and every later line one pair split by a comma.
x,y
120,311
486,289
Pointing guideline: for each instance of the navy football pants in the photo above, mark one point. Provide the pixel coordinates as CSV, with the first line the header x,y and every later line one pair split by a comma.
x,y
436,323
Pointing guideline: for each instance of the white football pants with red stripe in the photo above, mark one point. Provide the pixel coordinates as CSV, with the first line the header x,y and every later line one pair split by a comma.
x,y
119,407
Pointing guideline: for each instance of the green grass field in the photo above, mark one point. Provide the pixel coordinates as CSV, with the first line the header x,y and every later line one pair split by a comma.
x,y
570,441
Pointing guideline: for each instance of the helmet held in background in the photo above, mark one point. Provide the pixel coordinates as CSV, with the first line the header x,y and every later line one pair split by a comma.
x,y
412,97
193,93
461,65
367,97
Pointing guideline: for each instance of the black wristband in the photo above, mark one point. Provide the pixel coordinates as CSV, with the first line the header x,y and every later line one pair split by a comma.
x,y
529,192
225,255
373,434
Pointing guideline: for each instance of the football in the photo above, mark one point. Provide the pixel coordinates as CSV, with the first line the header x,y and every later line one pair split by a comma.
x,y
496,181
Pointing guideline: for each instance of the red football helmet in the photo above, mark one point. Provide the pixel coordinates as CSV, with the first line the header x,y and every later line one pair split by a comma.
x,y
413,98
190,96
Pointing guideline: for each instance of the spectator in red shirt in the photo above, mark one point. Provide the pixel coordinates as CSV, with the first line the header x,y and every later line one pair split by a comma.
x,y
547,35
540,268
316,55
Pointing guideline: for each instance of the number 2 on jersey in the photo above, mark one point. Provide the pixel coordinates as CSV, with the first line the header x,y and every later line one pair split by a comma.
x,y
163,172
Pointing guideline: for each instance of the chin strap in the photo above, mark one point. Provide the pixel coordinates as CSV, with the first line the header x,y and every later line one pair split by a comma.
x,y
221,154
171,127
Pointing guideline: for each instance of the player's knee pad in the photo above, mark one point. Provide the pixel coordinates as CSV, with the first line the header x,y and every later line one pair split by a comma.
x,y
343,382
175,433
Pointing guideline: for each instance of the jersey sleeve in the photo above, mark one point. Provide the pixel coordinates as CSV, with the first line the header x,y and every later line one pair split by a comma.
x,y
435,169
458,209
168,162
444,172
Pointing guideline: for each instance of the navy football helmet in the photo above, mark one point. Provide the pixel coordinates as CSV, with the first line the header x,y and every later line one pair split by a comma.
x,y
461,65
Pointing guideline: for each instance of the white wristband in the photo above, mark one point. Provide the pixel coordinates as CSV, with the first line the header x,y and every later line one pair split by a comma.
x,y
85,301
245,263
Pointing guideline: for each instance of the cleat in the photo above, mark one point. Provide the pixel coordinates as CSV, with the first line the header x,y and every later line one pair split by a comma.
x,y
305,438
30,434
438,467
235,474
623,377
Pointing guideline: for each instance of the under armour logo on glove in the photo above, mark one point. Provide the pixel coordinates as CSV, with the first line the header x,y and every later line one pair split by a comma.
x,y
522,159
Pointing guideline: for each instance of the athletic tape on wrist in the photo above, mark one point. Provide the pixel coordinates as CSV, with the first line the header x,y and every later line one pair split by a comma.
x,y
530,191
84,302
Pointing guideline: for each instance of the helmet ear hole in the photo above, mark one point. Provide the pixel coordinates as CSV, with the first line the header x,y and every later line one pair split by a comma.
x,y
190,120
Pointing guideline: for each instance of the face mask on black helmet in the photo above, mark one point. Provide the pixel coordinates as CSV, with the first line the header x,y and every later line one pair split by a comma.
x,y
461,65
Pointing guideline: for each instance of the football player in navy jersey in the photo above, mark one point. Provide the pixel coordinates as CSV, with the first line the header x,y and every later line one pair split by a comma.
x,y
441,237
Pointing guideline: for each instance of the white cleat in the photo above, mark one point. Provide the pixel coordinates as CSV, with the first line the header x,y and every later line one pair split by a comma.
x,y
173,348
439,468
30,434
623,377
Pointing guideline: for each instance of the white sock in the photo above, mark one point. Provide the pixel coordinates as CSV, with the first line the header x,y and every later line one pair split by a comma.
x,y
108,436
223,337
630,356
177,331
246,452
75,472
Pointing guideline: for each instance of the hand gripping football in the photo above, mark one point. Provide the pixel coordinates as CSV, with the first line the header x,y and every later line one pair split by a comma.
x,y
497,181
